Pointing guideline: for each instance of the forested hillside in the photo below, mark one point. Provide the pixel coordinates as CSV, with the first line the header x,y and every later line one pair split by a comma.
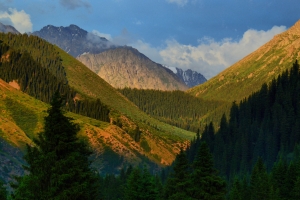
x,y
250,73
266,125
173,107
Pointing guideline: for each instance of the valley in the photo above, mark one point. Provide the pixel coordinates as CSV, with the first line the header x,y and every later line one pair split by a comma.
x,y
144,124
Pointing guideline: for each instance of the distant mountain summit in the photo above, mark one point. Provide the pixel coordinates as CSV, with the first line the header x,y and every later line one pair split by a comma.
x,y
190,77
73,39
127,67
8,29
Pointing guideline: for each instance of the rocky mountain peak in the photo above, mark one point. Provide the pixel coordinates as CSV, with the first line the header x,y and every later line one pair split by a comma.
x,y
73,39
190,77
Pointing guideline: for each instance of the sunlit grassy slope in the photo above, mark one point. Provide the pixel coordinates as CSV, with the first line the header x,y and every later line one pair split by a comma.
x,y
247,75
22,118
90,84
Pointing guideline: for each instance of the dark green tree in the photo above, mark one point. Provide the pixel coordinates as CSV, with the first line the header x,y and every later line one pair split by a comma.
x,y
58,162
178,181
206,184
259,183
235,192
3,191
133,188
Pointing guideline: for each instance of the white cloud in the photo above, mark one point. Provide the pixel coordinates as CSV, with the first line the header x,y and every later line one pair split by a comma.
x,y
210,57
148,50
178,2
19,19
105,35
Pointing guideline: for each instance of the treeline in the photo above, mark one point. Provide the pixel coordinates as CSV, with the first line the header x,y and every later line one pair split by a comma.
x,y
265,124
173,107
40,83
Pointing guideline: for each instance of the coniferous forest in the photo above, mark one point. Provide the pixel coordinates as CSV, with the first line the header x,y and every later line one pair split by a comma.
x,y
173,107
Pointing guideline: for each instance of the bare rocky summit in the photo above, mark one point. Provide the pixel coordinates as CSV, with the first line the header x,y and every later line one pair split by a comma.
x,y
190,77
127,67
73,39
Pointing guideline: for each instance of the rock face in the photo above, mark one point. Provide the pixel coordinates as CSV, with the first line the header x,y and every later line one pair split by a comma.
x,y
8,29
73,39
127,67
190,77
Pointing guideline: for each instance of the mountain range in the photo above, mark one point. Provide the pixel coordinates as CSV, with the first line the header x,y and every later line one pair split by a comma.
x,y
120,66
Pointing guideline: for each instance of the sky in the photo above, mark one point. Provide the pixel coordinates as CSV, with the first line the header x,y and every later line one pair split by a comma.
x,y
206,36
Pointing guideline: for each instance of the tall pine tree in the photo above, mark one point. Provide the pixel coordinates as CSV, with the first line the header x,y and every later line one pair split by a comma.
x,y
58,162
206,184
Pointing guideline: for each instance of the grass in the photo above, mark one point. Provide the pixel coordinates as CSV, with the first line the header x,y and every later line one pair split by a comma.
x,y
24,117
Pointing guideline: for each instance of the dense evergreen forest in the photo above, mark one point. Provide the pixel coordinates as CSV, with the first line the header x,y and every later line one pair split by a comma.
x,y
266,125
43,76
173,107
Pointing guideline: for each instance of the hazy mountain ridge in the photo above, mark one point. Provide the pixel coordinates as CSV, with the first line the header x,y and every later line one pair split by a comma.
x,y
127,67
8,29
73,39
190,77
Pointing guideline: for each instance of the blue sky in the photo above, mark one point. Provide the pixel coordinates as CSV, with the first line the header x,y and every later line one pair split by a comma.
x,y
203,35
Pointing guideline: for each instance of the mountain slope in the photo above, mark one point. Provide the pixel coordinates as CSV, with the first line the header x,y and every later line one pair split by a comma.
x,y
130,137
247,75
73,39
126,67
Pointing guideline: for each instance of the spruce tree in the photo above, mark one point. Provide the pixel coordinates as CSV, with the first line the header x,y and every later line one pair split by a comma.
x,y
58,162
259,183
206,184
178,182
3,191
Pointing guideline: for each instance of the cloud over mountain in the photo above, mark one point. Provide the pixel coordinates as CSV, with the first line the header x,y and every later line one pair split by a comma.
x,y
19,19
209,57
